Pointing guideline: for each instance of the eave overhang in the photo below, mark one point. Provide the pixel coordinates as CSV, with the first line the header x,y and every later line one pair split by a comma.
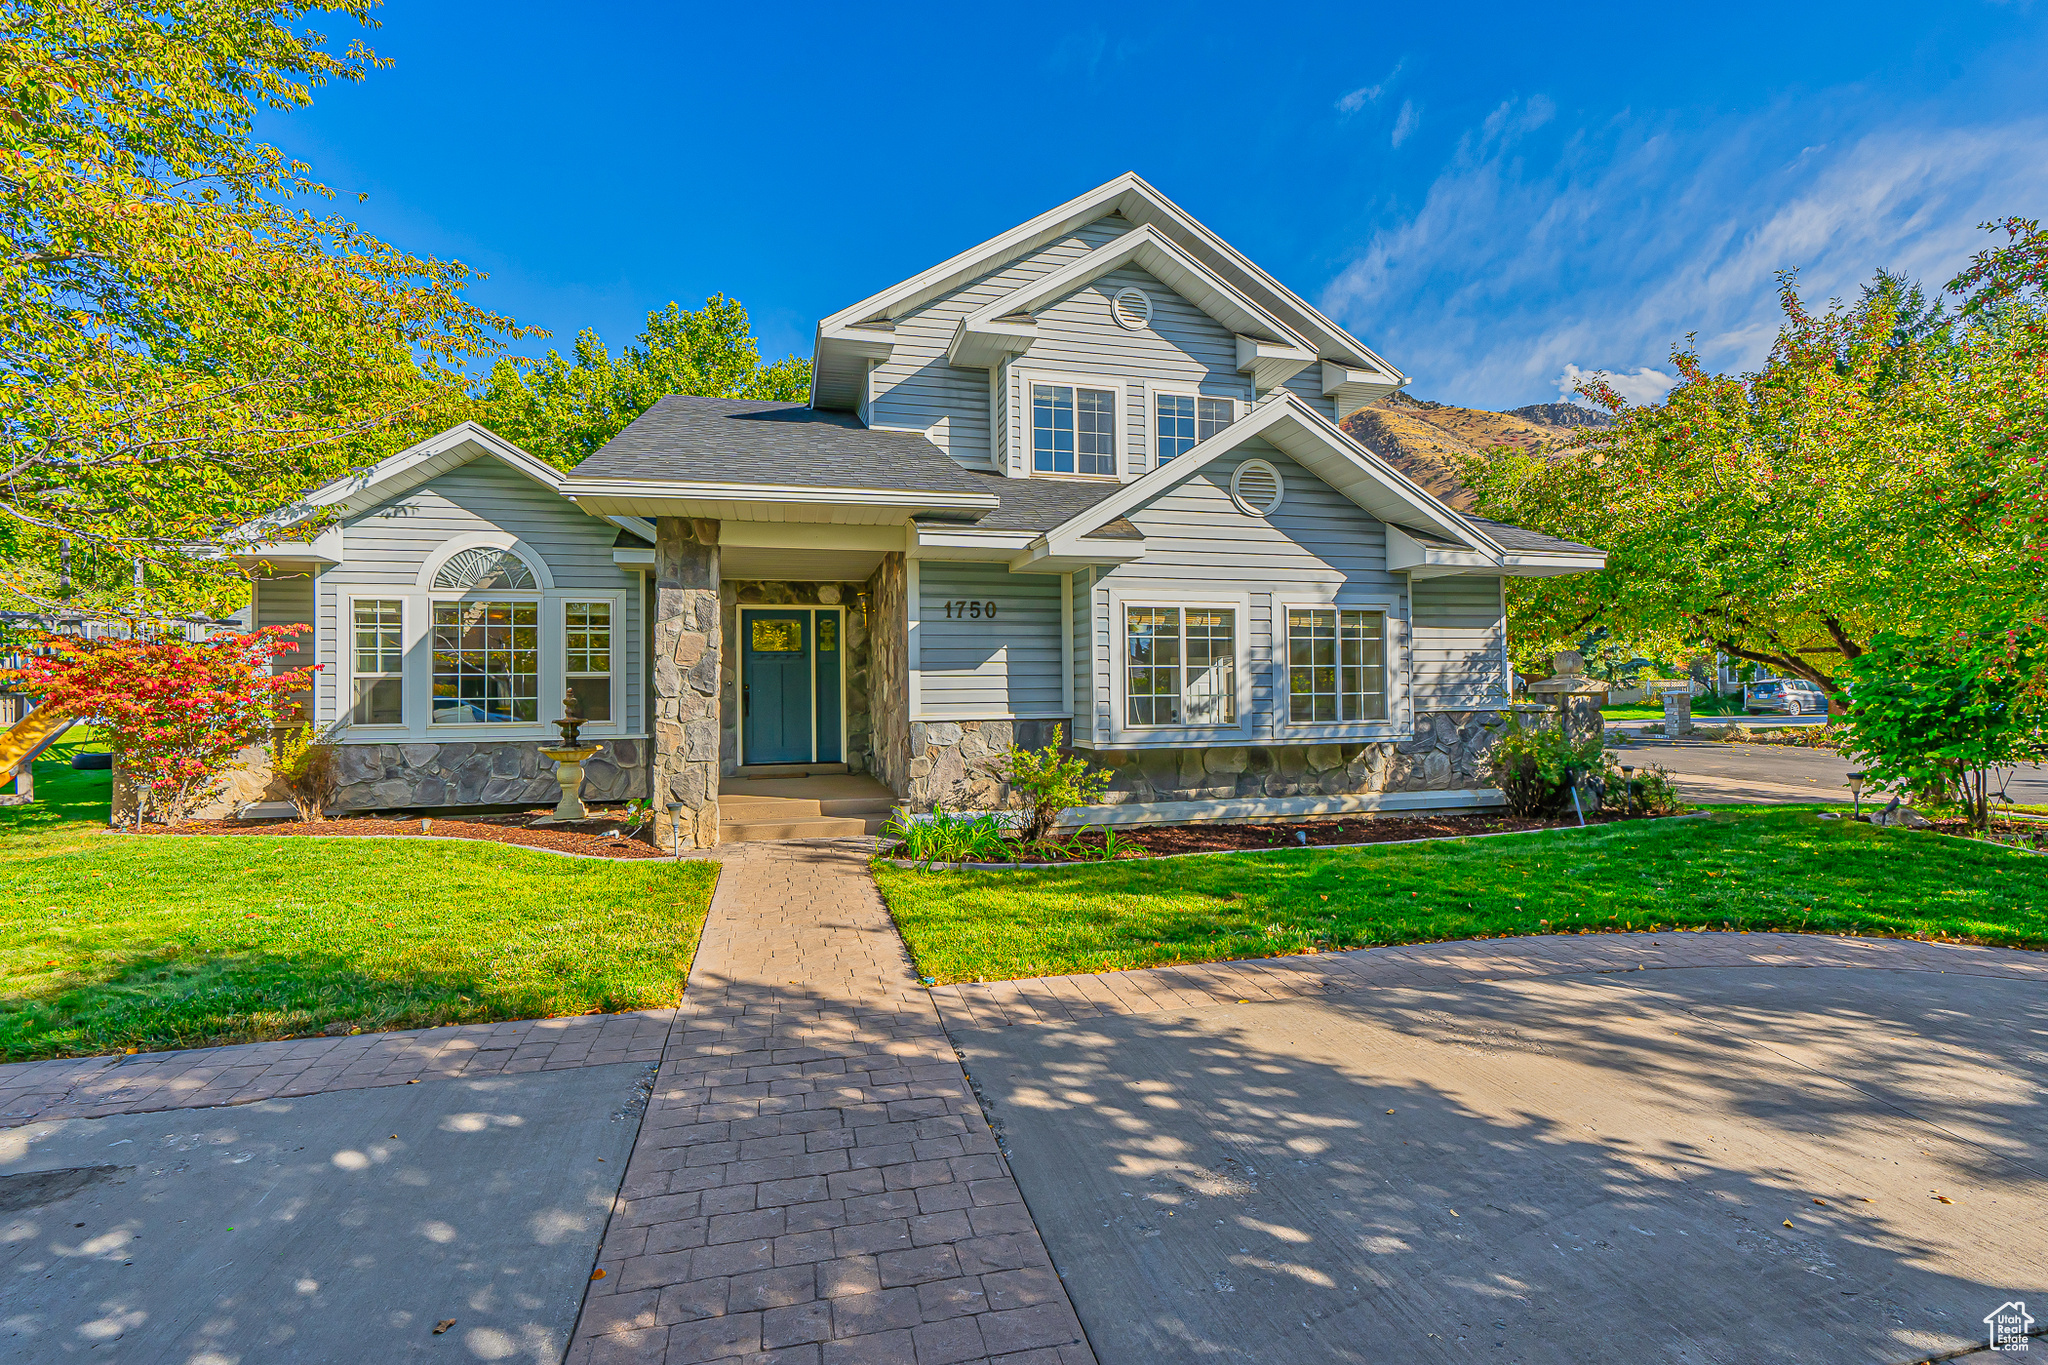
x,y
768,502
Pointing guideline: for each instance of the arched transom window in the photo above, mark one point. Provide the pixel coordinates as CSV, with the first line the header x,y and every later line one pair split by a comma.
x,y
485,570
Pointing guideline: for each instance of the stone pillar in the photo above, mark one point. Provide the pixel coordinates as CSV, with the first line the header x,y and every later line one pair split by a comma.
x,y
1678,712
684,765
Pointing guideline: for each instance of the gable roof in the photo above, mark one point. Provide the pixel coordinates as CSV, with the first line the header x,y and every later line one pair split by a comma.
x,y
1005,326
1454,543
393,477
862,332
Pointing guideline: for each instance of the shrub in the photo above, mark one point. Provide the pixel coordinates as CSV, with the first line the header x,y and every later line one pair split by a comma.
x,y
1530,765
1651,791
179,712
947,838
305,764
1050,784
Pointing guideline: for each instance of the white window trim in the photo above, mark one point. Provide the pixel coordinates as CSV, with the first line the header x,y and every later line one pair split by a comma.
x,y
1237,414
1099,382
1122,733
604,728
1398,722
485,540
347,672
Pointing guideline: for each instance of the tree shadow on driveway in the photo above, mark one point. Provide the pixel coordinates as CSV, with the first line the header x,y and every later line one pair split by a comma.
x,y
1585,1168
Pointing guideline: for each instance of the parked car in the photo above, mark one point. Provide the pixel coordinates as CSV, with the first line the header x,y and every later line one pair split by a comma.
x,y
1793,696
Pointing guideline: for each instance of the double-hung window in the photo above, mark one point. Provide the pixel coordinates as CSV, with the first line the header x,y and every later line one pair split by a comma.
x,y
1184,420
587,641
1073,429
486,663
1336,665
379,675
1180,665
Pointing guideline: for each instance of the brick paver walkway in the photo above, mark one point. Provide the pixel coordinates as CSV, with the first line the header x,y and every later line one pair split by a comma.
x,y
94,1087
814,1183
1064,999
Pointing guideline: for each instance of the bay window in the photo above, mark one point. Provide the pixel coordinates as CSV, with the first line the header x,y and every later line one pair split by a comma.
x,y
1180,665
1336,665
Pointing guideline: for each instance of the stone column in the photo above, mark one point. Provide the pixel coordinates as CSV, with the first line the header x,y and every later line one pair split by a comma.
x,y
684,765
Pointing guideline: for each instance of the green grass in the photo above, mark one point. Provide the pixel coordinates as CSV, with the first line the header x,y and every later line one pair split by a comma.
x,y
1706,705
1751,868
111,942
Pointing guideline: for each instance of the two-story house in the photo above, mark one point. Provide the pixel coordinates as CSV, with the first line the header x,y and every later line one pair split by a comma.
x,y
1085,475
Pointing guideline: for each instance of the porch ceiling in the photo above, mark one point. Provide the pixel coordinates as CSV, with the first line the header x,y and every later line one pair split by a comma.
x,y
797,566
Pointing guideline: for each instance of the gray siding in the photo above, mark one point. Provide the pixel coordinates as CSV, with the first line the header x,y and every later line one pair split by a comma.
x,y
1308,384
970,667
289,601
916,389
387,547
1458,637
1319,546
1184,350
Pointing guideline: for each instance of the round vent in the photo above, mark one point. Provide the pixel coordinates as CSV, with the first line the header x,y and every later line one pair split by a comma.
x,y
1132,308
1257,487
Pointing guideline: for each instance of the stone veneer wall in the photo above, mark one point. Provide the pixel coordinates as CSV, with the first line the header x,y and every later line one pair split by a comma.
x,y
426,776
687,649
889,747
854,659
953,764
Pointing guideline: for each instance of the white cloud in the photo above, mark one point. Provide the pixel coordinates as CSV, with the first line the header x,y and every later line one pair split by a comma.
x,y
1369,94
1538,248
1643,385
1407,123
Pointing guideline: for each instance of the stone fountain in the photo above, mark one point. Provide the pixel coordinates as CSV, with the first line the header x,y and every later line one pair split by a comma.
x,y
569,757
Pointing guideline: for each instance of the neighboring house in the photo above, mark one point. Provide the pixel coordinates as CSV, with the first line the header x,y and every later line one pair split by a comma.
x,y
1086,476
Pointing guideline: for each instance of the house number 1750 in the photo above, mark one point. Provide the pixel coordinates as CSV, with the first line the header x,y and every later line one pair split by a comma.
x,y
970,610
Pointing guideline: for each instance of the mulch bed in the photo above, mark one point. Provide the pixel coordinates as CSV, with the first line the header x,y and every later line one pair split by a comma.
x,y
2010,832
597,838
1161,840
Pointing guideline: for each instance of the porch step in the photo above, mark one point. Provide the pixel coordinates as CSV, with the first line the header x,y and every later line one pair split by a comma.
x,y
824,806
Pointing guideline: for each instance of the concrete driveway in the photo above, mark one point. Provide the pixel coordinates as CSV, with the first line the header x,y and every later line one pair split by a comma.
x,y
1711,771
1718,1164
331,1228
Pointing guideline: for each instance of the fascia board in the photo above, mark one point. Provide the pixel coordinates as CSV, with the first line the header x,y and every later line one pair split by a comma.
x,y
1269,364
614,489
1324,449
997,544
1551,565
984,345
1407,554
899,298
632,557
1041,557
1147,248
284,552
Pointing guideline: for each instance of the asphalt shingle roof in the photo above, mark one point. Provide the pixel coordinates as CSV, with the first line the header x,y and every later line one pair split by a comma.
x,y
729,440
1516,538
1032,504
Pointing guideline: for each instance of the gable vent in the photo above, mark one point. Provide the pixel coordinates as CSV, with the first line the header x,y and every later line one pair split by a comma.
x,y
1257,488
1132,308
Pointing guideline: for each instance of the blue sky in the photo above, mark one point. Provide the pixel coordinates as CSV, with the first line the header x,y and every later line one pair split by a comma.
x,y
1495,197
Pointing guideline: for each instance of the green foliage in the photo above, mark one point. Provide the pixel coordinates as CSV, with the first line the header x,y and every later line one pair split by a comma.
x,y
1649,790
1883,469
564,409
1050,784
306,765
1535,768
1935,715
948,838
188,339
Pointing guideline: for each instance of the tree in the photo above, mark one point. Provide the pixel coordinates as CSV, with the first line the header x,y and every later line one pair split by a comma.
x,y
179,712
1936,715
187,338
1854,482
563,410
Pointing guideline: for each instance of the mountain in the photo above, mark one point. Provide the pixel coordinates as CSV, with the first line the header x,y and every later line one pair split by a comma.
x,y
1421,438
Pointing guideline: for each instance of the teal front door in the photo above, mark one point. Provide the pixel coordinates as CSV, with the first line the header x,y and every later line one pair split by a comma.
x,y
783,688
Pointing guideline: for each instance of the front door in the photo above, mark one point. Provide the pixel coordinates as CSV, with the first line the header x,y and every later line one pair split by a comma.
x,y
775,686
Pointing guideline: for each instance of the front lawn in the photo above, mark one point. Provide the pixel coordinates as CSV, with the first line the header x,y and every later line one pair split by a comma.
x,y
1738,868
110,942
